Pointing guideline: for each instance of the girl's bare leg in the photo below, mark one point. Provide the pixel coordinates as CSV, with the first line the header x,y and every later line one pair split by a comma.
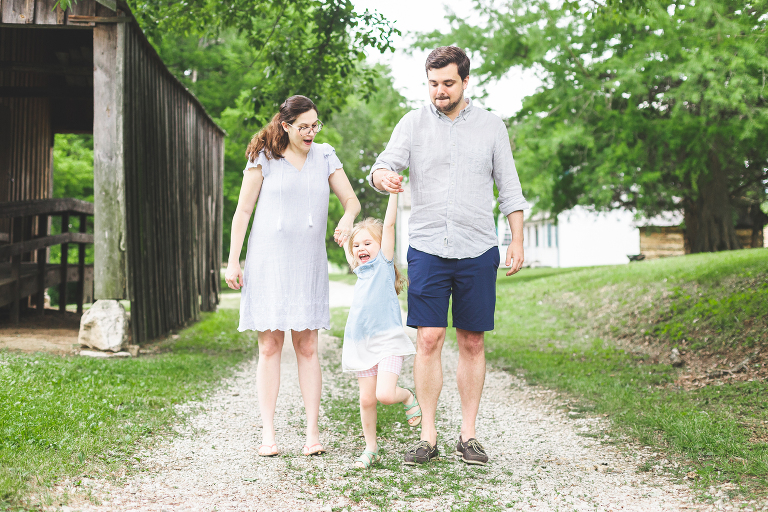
x,y
388,392
368,410
268,381
310,379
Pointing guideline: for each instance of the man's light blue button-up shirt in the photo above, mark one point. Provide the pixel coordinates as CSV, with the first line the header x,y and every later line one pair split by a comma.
x,y
453,166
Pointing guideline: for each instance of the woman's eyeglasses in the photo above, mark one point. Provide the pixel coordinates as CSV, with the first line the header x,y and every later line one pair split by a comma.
x,y
305,130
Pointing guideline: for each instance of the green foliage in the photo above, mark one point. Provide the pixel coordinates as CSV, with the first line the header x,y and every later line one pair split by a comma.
x,y
72,177
69,416
73,166
651,106
64,4
309,47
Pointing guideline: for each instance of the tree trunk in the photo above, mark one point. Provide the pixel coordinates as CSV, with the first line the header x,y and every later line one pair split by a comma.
x,y
709,217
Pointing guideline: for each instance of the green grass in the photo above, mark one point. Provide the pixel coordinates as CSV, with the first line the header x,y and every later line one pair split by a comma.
x,y
72,416
559,328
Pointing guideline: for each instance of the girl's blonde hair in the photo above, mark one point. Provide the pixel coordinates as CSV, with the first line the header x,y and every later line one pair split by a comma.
x,y
375,227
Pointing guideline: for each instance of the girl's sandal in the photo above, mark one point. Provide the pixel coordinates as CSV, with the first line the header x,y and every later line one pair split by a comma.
x,y
367,459
410,406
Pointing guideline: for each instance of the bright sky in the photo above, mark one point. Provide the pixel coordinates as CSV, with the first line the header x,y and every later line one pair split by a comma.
x,y
505,97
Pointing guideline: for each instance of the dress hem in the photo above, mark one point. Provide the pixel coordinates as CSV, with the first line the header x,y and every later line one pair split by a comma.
x,y
326,327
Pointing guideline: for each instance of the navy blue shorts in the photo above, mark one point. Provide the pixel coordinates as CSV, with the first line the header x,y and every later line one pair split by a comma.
x,y
472,282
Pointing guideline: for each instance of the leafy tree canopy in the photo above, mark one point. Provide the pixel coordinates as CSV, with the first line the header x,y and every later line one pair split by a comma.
x,y
647,105
309,47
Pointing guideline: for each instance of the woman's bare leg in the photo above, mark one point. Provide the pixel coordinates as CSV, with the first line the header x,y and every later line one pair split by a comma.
x,y
310,379
268,381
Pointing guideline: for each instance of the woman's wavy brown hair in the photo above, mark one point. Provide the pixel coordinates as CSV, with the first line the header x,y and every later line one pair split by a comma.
x,y
375,227
272,139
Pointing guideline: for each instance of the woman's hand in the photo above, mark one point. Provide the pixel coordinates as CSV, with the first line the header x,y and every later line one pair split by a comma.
x,y
234,275
343,230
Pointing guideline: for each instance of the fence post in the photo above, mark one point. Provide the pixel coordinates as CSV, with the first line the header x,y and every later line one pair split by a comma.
x,y
109,222
42,230
81,267
64,258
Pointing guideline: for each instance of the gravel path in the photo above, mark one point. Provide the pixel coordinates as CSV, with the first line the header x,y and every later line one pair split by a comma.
x,y
541,459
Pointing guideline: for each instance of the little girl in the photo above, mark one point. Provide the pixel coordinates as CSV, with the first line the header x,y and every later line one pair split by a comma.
x,y
374,341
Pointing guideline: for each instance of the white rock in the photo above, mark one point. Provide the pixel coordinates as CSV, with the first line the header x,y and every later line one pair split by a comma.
x,y
104,326
93,353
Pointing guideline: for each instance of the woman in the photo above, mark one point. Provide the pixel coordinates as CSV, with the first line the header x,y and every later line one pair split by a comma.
x,y
286,268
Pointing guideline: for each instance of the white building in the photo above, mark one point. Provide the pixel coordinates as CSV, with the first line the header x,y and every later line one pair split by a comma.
x,y
579,238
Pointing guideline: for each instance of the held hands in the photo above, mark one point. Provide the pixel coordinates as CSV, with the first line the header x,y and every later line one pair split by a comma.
x,y
343,231
234,276
392,182
515,258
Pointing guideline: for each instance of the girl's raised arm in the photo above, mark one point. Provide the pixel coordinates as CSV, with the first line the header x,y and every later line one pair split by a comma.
x,y
388,233
347,253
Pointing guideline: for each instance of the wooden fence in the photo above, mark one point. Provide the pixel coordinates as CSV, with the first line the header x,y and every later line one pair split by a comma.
x,y
31,276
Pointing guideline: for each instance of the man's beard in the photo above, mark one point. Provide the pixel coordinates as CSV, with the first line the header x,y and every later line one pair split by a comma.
x,y
450,107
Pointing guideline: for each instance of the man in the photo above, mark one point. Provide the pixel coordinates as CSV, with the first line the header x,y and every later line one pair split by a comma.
x,y
455,152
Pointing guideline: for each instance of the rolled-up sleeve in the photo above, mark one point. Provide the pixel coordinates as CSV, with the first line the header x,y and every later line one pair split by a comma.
x,y
396,157
505,175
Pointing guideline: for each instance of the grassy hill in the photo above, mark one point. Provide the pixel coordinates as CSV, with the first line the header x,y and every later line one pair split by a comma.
x,y
603,335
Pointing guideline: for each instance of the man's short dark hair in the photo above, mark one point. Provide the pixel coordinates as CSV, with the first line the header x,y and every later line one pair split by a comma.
x,y
441,57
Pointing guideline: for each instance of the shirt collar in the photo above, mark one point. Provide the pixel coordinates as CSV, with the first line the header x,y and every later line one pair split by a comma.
x,y
463,114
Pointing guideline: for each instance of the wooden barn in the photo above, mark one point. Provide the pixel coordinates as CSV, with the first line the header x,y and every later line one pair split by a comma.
x,y
156,220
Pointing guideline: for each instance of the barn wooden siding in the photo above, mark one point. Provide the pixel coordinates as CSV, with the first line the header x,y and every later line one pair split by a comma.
x,y
173,179
158,157
25,123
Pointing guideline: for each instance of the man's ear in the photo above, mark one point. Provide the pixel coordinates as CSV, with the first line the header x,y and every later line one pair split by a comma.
x,y
466,82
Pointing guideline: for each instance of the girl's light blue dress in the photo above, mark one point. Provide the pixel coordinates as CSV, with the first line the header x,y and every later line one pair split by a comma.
x,y
374,327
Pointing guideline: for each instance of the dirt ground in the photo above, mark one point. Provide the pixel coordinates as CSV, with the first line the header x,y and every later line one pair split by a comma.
x,y
54,332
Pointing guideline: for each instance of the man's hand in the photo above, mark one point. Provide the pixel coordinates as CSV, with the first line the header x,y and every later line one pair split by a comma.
x,y
515,257
390,181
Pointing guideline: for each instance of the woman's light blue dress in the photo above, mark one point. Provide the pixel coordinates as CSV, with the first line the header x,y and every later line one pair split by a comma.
x,y
374,327
286,266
